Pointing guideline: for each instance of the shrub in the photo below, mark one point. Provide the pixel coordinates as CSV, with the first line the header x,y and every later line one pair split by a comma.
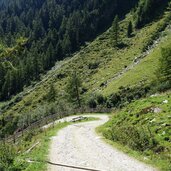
x,y
100,99
8,160
7,156
134,137
126,96
163,86
94,65
115,100
28,137
92,103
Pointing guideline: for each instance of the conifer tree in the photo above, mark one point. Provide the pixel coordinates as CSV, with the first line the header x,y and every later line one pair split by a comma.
x,y
51,95
115,31
47,31
74,88
6,89
36,67
51,55
59,52
164,72
2,74
130,29
67,44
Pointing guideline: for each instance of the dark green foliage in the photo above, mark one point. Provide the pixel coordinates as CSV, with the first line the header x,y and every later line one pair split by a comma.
x,y
6,89
74,87
135,138
115,31
115,99
53,29
164,71
130,29
9,124
8,155
100,99
126,95
92,103
94,65
96,100
120,99
66,46
148,10
162,86
51,95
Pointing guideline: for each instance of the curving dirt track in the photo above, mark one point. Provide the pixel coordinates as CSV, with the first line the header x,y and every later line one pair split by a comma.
x,y
79,145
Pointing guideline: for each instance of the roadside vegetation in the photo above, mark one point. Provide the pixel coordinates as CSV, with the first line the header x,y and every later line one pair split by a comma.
x,y
96,65
31,152
119,71
144,126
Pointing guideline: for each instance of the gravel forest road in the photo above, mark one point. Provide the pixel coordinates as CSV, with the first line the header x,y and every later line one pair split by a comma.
x,y
79,145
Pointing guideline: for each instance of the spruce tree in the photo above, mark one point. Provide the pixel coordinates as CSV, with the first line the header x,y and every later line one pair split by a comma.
x,y
58,51
6,89
130,29
2,74
54,28
66,44
51,55
164,71
115,31
74,88
36,67
51,95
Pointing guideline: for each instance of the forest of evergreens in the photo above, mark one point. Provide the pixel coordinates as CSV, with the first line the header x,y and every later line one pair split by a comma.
x,y
36,34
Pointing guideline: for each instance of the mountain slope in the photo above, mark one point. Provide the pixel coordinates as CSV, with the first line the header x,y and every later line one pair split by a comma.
x,y
53,29
129,61
143,70
97,64
144,127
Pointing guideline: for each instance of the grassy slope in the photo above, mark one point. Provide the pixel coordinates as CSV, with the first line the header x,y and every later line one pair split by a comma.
x,y
110,60
40,152
158,123
144,72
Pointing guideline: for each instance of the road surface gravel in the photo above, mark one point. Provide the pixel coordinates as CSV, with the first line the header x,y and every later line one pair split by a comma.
x,y
79,145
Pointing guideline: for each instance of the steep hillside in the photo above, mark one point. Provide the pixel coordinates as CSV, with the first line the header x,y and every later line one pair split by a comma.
x,y
54,28
143,70
102,68
63,57
144,126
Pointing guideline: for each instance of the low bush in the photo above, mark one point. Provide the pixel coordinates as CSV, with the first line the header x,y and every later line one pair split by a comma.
x,y
133,137
163,86
7,159
126,95
94,65
92,103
